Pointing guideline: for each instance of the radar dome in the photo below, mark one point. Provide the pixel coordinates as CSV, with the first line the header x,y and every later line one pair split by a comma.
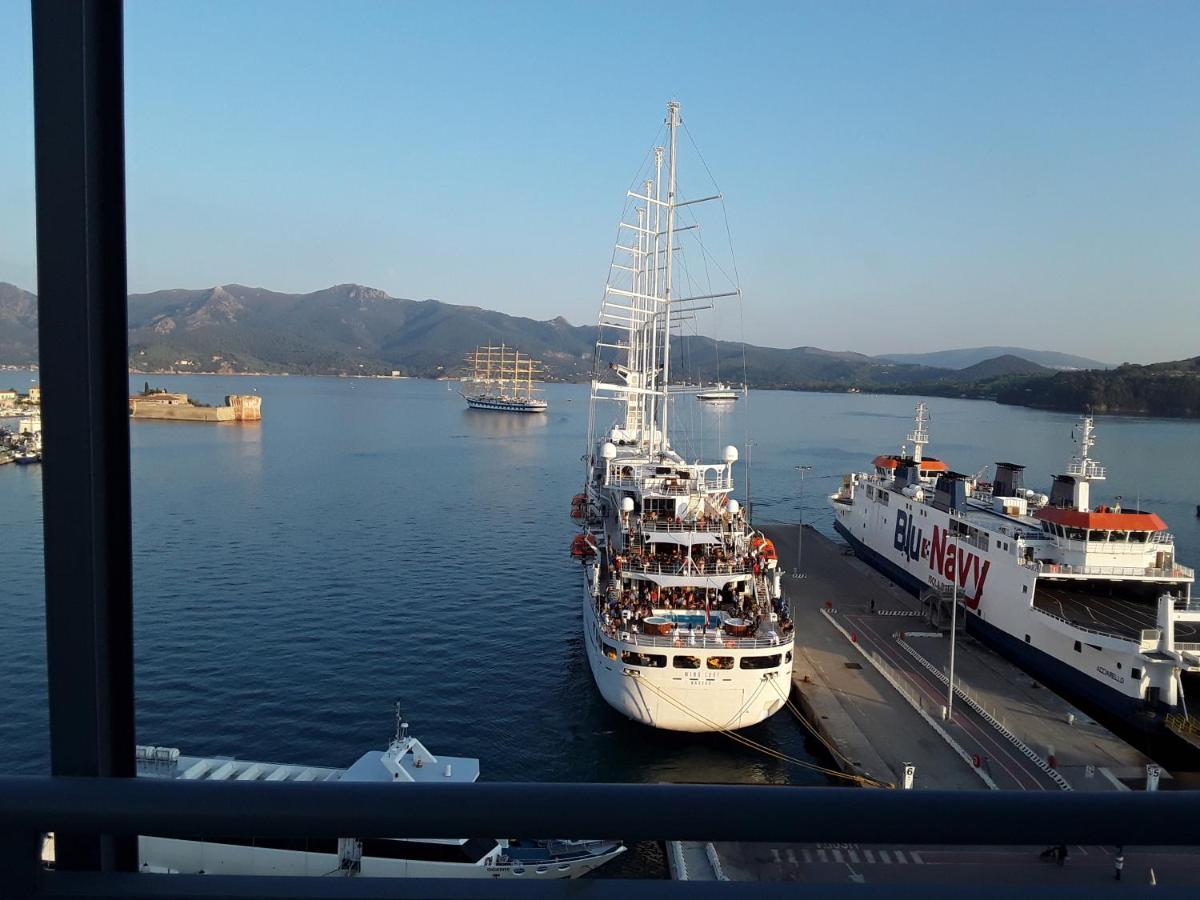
x,y
609,450
733,506
627,505
731,454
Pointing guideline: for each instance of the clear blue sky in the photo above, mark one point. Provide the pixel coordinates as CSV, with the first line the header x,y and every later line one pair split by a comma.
x,y
899,176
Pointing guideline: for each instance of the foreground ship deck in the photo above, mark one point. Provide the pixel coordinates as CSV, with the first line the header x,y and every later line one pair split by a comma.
x,y
405,761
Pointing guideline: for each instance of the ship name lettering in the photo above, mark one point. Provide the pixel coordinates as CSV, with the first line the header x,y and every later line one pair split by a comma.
x,y
958,563
1119,679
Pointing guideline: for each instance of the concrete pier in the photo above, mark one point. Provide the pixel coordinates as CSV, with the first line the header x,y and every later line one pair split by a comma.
x,y
869,673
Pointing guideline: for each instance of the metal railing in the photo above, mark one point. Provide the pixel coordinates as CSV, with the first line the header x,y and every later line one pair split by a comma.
x,y
1177,570
683,568
658,484
714,639
1112,634
673,527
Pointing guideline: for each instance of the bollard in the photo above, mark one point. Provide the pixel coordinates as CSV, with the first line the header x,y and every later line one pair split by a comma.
x,y
1070,718
854,637
1050,757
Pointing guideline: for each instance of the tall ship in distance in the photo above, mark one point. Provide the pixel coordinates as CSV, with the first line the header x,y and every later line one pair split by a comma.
x,y
684,623
1087,596
501,380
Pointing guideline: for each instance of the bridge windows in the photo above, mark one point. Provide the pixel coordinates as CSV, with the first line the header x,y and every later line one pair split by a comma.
x,y
761,662
650,660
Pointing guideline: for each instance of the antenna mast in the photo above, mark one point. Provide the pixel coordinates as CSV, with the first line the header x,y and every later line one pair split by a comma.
x,y
672,124
920,433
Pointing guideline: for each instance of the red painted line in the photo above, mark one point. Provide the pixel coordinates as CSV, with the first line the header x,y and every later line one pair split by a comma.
x,y
977,731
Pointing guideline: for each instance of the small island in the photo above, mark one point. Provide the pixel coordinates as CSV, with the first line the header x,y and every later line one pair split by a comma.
x,y
155,403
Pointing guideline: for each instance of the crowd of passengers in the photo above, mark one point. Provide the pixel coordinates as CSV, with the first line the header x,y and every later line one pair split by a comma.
x,y
705,559
635,601
703,522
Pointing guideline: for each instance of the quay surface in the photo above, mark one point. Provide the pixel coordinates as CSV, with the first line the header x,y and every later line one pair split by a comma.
x,y
876,687
868,679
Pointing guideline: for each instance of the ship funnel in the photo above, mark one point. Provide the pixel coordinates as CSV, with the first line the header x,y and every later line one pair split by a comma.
x,y
950,492
1009,481
1062,492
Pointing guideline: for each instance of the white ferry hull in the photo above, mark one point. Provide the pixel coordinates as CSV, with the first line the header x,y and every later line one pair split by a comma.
x,y
699,700
1030,656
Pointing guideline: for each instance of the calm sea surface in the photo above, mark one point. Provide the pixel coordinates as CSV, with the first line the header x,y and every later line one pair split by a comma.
x,y
374,539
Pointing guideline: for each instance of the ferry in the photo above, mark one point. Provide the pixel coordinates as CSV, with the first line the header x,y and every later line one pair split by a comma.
x,y
405,761
684,622
1087,596
718,393
502,381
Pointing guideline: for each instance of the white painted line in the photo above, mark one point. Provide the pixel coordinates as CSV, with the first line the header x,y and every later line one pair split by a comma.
x,y
1113,778
869,855
775,853
885,857
837,856
807,855
822,856
901,858
916,857
853,856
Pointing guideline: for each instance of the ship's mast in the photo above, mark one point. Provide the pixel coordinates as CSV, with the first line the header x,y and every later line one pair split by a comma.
x,y
1084,469
920,433
669,237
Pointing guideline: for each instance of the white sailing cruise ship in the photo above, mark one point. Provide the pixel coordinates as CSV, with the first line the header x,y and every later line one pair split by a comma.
x,y
1088,597
405,761
683,617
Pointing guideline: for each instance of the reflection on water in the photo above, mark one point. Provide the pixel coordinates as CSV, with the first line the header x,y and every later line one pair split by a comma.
x,y
486,422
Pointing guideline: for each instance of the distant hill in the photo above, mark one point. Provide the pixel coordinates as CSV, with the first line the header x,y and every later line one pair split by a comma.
x,y
349,329
970,356
998,366
18,325
1160,389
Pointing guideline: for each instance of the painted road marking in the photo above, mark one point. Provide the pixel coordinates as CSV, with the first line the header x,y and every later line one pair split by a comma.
x,y
822,856
853,856
807,854
869,856
792,856
884,856
775,853
837,856
901,858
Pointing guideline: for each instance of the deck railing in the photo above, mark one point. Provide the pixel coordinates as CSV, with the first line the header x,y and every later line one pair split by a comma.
x,y
698,567
713,639
1177,570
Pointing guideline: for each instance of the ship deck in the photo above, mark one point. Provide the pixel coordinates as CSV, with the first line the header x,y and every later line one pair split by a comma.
x,y
1100,607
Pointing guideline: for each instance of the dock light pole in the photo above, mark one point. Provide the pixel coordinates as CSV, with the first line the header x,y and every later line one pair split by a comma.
x,y
800,532
953,620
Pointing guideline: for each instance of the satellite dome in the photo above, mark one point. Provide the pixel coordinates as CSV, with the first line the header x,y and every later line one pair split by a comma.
x,y
731,454
733,506
627,505
609,450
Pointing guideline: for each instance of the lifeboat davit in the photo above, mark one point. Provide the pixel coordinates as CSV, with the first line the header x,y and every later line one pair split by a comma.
x,y
583,546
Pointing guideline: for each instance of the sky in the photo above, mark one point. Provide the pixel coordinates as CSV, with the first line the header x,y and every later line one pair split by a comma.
x,y
898,176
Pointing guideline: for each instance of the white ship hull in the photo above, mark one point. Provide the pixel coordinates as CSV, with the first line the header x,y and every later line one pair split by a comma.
x,y
695,700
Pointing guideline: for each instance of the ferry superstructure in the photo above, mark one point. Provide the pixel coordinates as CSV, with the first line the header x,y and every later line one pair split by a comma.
x,y
501,380
405,761
1089,597
683,618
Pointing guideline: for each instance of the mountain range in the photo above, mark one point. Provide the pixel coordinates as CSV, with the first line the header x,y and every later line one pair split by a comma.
x,y
350,329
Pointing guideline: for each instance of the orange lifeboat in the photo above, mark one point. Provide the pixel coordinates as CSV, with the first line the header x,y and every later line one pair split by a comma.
x,y
764,546
582,546
578,506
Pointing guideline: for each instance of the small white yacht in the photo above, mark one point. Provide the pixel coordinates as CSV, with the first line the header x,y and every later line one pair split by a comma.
x,y
718,393
405,761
